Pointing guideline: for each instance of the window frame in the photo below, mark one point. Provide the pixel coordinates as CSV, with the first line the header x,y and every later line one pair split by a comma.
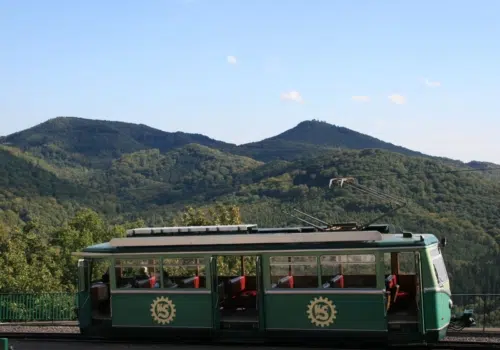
x,y
149,258
440,259
378,268
268,282
206,271
343,262
159,259
399,252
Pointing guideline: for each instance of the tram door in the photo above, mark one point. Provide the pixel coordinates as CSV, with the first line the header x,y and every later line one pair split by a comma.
x,y
404,314
237,292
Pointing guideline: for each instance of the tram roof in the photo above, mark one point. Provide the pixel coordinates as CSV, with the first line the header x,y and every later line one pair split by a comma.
x,y
229,238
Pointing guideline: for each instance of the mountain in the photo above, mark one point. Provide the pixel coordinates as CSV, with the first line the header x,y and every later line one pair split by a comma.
x,y
128,171
269,150
325,135
95,143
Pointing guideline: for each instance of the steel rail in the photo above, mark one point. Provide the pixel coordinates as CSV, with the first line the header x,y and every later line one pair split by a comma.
x,y
78,338
469,334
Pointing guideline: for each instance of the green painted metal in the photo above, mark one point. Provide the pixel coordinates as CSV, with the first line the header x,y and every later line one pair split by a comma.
x,y
215,293
4,343
38,307
84,301
317,311
437,309
436,298
190,310
260,294
420,293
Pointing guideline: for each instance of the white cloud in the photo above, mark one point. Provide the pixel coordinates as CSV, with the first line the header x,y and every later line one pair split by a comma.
x,y
231,60
292,96
360,98
432,83
397,99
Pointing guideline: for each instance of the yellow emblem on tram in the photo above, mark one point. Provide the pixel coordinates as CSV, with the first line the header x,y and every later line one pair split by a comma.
x,y
163,310
321,311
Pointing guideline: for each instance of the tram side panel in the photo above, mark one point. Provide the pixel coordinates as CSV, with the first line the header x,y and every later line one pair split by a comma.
x,y
172,298
181,309
309,311
312,300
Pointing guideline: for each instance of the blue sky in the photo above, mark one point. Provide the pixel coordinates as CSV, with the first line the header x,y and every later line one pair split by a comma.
x,y
165,63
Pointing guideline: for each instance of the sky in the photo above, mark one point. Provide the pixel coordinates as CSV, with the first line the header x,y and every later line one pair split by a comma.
x,y
421,74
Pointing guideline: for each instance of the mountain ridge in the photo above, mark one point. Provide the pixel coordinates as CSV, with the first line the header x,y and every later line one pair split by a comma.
x,y
92,142
322,133
95,143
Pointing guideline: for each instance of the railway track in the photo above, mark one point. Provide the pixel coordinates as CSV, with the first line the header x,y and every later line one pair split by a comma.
x,y
469,333
465,345
78,338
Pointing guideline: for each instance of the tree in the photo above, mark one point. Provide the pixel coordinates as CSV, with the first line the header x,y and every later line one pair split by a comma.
x,y
85,229
217,215
28,263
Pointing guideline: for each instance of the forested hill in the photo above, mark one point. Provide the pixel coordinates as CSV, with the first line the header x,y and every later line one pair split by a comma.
x,y
49,172
314,132
94,143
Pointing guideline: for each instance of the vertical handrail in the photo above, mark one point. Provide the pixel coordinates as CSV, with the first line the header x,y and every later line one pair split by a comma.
x,y
484,312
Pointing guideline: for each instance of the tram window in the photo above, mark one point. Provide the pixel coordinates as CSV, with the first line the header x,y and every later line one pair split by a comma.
x,y
406,263
435,252
184,273
228,265
302,269
440,269
356,270
83,275
331,270
250,265
137,273
100,270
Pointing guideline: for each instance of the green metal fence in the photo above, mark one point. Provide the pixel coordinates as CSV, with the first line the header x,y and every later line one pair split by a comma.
x,y
38,307
485,307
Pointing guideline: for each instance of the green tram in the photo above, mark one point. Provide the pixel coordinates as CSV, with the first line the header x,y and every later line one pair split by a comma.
x,y
244,282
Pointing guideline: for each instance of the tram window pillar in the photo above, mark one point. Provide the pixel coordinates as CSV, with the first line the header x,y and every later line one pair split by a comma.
x,y
395,270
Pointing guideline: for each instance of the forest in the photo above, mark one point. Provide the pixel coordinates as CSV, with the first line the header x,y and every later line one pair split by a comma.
x,y
71,182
